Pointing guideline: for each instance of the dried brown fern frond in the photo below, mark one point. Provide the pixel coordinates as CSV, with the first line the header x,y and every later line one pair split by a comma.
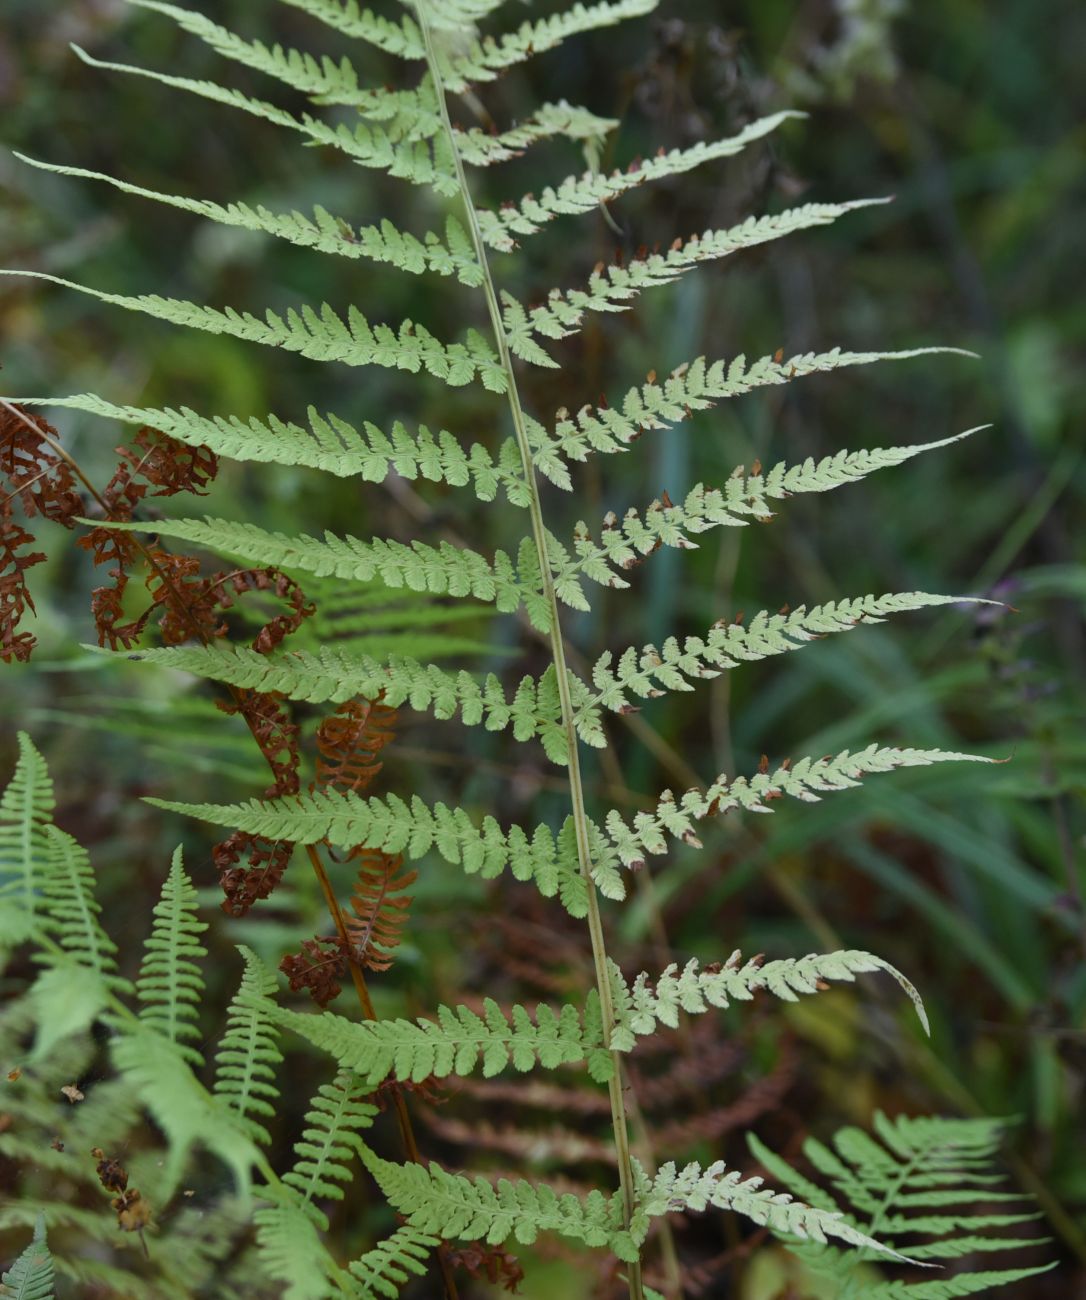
x,y
32,471
379,906
349,741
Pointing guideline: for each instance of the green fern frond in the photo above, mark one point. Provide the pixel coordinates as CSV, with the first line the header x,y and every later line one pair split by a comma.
x,y
330,1142
641,1007
584,193
417,161
714,1187
384,1270
290,1249
805,780
648,672
186,1112
613,288
444,569
348,17
487,59
915,1177
390,824
26,812
322,232
319,336
697,386
71,911
460,1041
332,676
170,983
247,1057
31,1276
625,542
329,444
435,1201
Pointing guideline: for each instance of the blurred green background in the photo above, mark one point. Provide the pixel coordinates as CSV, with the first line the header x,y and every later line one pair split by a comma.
x,y
970,879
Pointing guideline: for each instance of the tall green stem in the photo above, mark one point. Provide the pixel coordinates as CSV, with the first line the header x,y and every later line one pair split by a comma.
x,y
539,535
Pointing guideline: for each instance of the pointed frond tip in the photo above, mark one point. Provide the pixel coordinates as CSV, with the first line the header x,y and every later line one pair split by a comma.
x,y
694,386
320,336
624,543
806,780
577,194
614,288
649,672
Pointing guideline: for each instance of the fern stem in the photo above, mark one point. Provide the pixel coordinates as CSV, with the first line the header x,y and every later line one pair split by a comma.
x,y
558,653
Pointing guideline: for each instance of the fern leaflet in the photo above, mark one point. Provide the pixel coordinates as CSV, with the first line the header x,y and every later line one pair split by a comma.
x,y
247,1057
26,812
31,1276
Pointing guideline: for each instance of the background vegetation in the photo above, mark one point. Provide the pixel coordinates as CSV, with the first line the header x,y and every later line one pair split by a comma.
x,y
969,880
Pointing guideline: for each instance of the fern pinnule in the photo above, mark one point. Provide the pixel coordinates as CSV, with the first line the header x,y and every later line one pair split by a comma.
x,y
501,229
322,232
31,1276
332,445
648,672
379,907
26,812
248,1054
336,1116
170,983
614,288
385,1269
699,385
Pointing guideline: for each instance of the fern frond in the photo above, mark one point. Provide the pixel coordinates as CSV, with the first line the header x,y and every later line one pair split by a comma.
x,y
487,59
385,1269
329,444
26,812
578,194
625,542
334,676
370,146
247,1057
435,1201
697,386
186,1112
695,1188
290,1249
319,78
460,1041
640,1007
170,983
329,1142
31,1276
805,780
648,672
915,1177
444,569
393,826
71,911
347,16
322,232
614,288
379,906
319,336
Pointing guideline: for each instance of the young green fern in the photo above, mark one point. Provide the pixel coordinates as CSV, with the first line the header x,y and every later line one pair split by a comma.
x,y
410,134
925,1177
